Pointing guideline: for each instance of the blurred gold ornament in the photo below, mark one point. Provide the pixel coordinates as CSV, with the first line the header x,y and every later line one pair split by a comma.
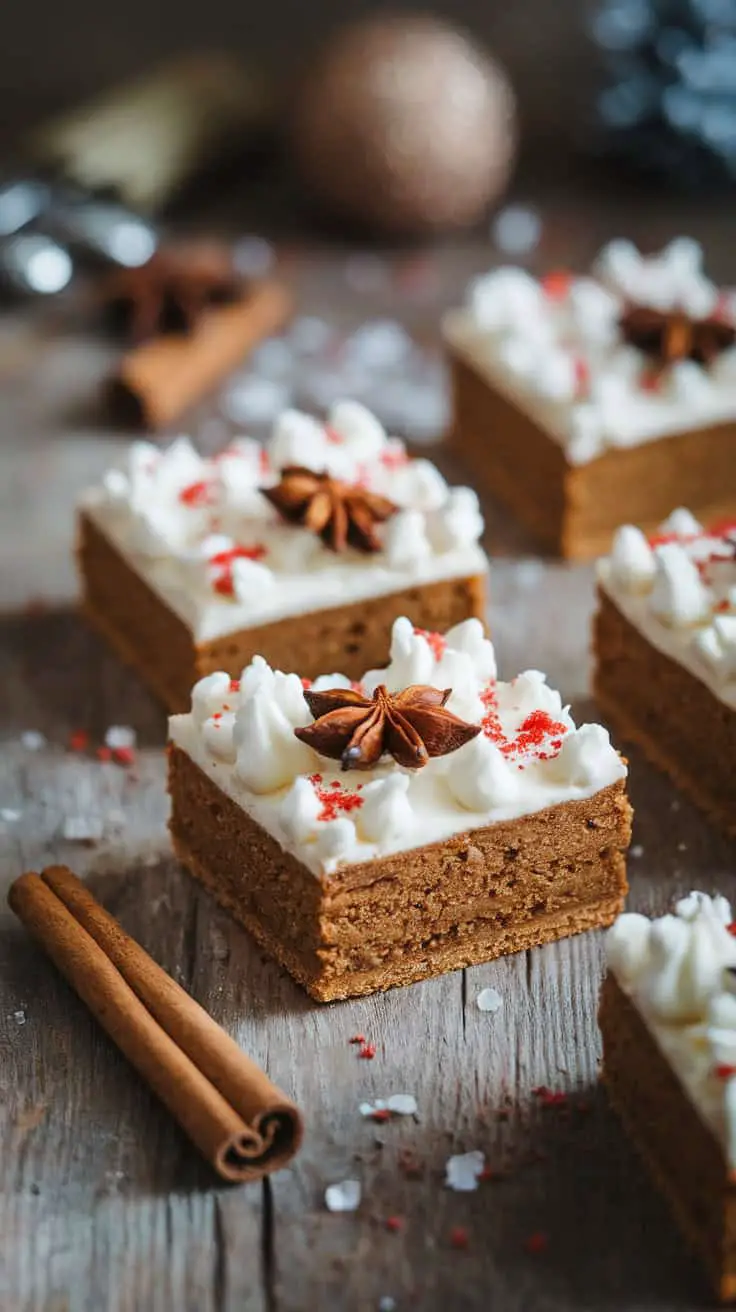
x,y
405,126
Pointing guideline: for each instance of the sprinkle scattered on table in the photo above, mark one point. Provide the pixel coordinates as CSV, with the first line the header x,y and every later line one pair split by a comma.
x,y
489,1000
82,829
399,1104
463,1170
32,740
343,1197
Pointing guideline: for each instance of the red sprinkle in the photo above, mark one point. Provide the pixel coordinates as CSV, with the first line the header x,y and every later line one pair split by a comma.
x,y
531,736
381,1114
394,459
732,928
367,1051
123,755
724,1071
333,437
104,754
556,284
224,560
649,382
459,1237
357,1038
197,494
394,1223
582,376
436,641
335,799
264,462
306,683
537,1242
235,685
548,1098
79,741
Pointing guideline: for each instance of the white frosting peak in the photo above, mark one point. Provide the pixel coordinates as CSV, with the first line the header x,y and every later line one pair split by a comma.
x,y
678,596
386,812
208,695
479,777
632,560
269,755
587,758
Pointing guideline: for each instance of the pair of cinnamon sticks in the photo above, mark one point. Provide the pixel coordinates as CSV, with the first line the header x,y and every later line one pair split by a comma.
x,y
228,1107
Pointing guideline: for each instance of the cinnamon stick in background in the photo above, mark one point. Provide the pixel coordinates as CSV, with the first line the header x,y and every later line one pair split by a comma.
x,y
156,381
222,1100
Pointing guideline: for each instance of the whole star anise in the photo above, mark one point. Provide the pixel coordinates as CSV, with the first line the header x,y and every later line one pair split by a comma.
x,y
343,514
668,336
411,726
171,291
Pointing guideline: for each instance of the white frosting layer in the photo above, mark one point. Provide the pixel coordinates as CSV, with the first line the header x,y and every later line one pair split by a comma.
x,y
204,538
528,756
554,349
679,591
676,970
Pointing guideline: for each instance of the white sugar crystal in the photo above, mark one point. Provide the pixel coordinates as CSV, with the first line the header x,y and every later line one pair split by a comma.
x,y
386,1303
343,1197
19,1017
462,1171
255,400
120,736
403,1104
489,1000
253,255
516,229
32,740
9,814
82,829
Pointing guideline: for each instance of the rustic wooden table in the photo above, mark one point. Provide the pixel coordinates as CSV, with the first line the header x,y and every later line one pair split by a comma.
x,y
103,1204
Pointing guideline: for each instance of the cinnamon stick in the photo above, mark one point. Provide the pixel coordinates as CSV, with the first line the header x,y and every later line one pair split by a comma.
x,y
156,381
223,1101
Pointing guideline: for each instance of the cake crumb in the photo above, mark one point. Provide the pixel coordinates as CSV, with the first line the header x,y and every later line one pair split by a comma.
x,y
636,851
536,1242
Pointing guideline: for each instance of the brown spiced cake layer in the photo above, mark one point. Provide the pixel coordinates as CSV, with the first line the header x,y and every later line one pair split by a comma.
x,y
374,877
191,565
579,401
664,642
667,1070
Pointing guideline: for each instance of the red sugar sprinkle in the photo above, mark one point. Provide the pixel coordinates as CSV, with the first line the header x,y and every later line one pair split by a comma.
x,y
436,641
78,740
197,494
224,561
335,799
556,284
548,1098
104,753
724,1071
367,1051
264,464
650,382
487,1174
536,1242
732,928
459,1237
306,683
381,1114
394,459
531,736
332,436
123,755
235,685
394,1223
357,1038
582,376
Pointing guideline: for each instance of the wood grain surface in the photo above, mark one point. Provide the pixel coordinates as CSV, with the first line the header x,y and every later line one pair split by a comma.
x,y
103,1204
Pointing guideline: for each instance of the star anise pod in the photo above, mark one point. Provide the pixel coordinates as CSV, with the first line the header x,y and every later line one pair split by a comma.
x,y
411,726
341,513
171,291
668,336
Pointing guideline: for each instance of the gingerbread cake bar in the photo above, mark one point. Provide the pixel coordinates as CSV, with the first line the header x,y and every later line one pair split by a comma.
x,y
665,654
426,818
303,551
584,400
668,1020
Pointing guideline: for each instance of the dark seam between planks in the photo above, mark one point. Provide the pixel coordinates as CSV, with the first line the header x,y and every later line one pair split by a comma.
x,y
464,997
219,1264
268,1248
